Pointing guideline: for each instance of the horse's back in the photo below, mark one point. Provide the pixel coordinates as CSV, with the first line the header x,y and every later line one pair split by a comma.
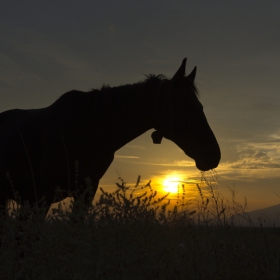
x,y
42,146
14,123
10,125
21,133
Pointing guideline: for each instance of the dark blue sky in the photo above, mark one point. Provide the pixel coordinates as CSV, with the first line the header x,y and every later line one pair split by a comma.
x,y
50,47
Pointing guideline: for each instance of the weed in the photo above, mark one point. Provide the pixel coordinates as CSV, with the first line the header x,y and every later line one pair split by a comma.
x,y
131,233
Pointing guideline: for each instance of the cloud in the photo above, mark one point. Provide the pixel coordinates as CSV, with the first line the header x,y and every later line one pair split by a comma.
x,y
178,163
255,161
133,157
138,147
264,153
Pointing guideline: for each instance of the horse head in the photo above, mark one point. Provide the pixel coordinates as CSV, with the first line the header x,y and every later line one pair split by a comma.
x,y
179,117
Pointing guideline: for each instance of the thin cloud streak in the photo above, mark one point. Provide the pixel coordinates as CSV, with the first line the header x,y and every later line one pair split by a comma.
x,y
137,147
181,163
119,156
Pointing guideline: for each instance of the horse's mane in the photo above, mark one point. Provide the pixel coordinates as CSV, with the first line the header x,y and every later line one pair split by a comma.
x,y
154,78
150,79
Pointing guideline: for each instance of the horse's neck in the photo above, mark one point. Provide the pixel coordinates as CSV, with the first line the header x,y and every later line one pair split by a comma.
x,y
132,113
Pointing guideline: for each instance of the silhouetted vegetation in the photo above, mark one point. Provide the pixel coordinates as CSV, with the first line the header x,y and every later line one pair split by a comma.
x,y
132,233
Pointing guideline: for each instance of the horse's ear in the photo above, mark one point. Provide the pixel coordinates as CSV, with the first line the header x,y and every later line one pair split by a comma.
x,y
191,76
181,71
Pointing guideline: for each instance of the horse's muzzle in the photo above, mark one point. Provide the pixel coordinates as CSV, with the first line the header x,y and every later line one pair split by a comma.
x,y
211,161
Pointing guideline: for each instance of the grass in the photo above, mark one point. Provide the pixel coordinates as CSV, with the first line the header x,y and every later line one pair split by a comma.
x,y
130,236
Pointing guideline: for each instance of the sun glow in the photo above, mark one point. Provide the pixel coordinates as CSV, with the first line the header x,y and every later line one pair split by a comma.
x,y
171,184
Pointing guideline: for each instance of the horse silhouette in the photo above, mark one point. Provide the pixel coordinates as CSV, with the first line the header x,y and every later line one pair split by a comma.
x,y
39,147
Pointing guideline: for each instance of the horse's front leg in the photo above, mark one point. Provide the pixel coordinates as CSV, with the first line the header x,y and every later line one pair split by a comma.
x,y
83,200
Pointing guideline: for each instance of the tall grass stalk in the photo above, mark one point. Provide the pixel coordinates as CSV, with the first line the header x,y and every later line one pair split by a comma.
x,y
131,233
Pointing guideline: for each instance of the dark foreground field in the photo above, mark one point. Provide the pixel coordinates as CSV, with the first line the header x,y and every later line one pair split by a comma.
x,y
130,237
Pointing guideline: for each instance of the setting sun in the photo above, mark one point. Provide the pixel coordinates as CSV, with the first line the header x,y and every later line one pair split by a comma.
x,y
170,184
